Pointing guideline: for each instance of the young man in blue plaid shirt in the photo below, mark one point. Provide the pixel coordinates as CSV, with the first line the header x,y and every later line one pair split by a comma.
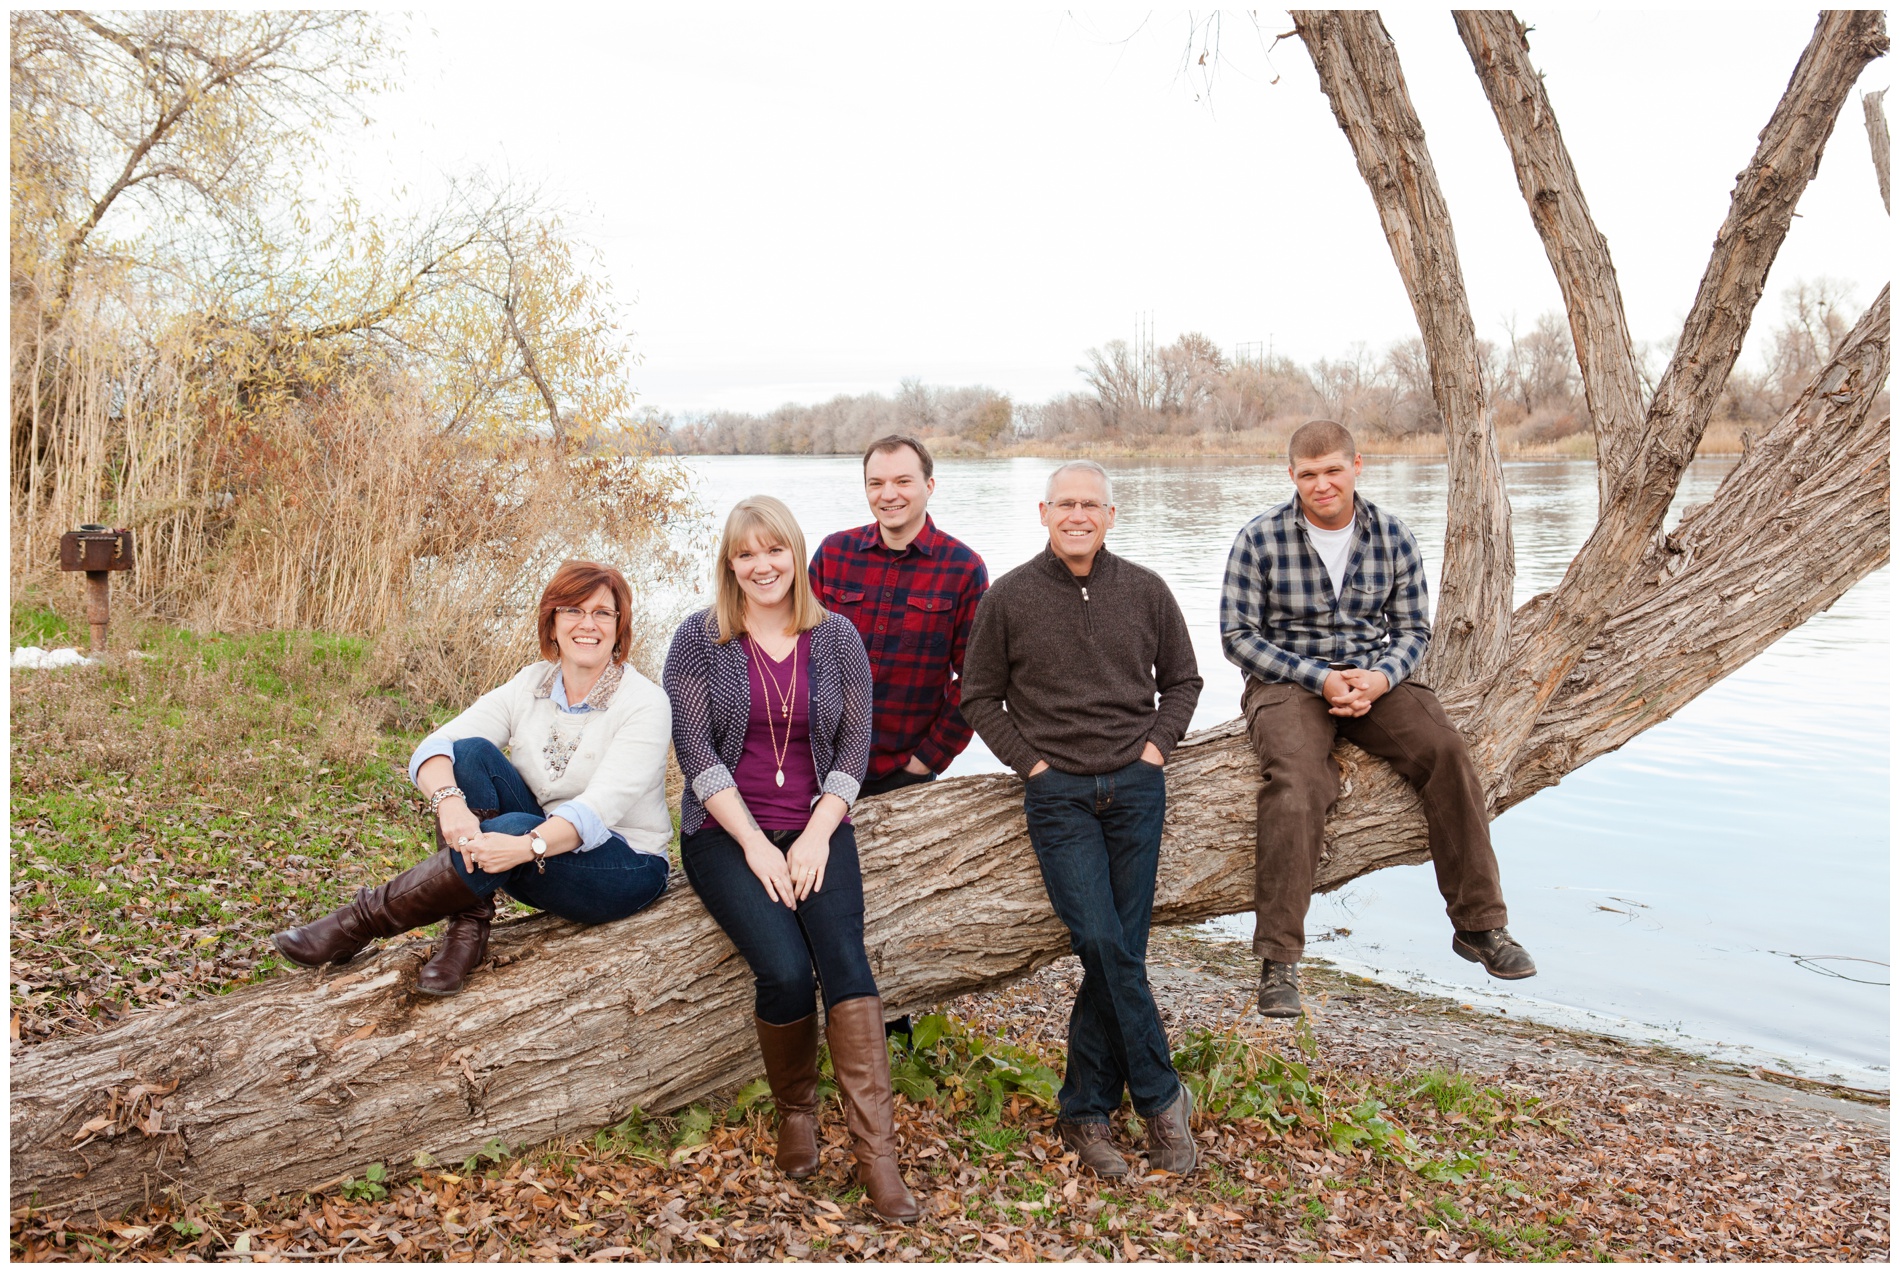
x,y
1323,607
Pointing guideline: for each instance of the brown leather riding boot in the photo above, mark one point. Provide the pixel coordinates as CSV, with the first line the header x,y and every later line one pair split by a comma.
x,y
424,893
861,1062
464,944
791,1067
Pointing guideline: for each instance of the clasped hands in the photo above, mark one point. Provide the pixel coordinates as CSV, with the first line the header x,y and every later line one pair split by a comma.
x,y
488,851
792,876
1352,691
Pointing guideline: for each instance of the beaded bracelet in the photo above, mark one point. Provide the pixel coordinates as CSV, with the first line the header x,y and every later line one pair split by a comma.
x,y
443,793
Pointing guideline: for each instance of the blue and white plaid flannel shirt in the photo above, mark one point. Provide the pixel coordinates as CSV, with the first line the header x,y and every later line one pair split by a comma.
x,y
1279,620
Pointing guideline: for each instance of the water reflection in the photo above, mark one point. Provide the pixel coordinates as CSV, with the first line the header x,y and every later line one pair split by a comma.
x,y
1705,880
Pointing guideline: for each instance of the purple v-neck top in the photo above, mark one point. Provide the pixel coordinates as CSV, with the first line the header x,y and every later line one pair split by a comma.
x,y
770,735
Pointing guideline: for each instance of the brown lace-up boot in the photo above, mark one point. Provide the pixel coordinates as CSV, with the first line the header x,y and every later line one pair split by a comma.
x,y
791,1067
862,1065
424,893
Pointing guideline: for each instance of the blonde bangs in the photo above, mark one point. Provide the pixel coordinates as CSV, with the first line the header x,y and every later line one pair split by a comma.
x,y
761,521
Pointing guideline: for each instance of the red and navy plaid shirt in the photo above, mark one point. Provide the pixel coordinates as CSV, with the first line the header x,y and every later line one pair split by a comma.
x,y
914,611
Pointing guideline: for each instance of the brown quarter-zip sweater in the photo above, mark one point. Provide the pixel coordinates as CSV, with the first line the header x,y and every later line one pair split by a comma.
x,y
1066,670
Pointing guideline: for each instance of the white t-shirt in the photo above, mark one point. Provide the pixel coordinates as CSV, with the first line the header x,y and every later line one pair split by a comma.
x,y
1332,547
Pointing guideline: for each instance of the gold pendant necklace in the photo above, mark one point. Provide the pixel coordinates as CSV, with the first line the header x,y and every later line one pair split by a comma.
x,y
784,697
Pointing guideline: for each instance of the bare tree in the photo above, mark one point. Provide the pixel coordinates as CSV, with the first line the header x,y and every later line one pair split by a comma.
x,y
304,1078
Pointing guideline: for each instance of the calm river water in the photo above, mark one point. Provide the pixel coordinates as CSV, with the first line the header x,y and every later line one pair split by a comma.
x,y
1721,882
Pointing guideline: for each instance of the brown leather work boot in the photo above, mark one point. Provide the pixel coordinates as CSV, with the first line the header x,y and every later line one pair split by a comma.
x,y
791,1067
424,893
1500,953
1171,1144
1094,1146
861,1063
464,944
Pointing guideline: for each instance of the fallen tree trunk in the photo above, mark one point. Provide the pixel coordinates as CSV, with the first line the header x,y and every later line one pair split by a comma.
x,y
307,1077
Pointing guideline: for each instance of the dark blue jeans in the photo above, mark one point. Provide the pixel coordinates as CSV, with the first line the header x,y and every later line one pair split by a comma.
x,y
609,881
1098,841
783,946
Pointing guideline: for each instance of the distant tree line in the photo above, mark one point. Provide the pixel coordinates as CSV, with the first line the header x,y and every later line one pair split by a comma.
x,y
1193,393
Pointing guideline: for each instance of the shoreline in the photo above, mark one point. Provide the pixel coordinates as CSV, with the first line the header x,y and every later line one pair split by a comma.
x,y
1325,979
944,449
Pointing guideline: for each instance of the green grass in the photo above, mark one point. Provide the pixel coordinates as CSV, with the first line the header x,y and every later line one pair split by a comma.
x,y
173,807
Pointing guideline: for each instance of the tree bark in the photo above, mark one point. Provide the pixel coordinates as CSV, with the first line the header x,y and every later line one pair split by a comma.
x,y
1359,71
307,1077
1580,255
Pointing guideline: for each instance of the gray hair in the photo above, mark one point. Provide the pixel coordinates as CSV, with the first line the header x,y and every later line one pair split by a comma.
x,y
1088,466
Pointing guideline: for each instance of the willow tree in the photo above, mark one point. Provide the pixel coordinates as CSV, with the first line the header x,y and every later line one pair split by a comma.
x,y
308,1077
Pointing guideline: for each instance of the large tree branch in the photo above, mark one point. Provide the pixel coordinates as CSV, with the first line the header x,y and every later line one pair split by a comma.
x,y
1804,516
1359,71
189,94
1566,620
1878,143
1579,255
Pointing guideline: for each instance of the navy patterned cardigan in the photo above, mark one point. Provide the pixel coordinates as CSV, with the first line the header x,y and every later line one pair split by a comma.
x,y
710,686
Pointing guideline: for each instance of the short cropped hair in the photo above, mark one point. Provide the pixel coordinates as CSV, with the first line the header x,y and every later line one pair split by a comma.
x,y
897,441
572,585
1319,437
1090,466
760,521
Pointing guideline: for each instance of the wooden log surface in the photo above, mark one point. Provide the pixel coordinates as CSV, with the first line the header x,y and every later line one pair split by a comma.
x,y
307,1077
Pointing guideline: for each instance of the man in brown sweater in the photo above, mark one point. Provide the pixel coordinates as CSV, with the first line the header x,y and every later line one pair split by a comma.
x,y
1065,660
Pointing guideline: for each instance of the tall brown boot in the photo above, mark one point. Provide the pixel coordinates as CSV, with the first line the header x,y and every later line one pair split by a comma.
x,y
791,1067
862,1064
424,893
464,944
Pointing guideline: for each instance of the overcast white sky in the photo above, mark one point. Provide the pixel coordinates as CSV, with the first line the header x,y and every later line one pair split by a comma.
x,y
798,203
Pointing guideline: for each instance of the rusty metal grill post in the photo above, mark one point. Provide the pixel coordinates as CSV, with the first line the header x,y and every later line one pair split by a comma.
x,y
98,551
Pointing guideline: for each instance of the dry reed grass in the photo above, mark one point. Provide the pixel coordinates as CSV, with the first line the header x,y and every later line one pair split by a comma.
x,y
344,510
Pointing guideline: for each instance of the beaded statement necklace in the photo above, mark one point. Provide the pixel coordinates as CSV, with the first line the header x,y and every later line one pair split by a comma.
x,y
780,695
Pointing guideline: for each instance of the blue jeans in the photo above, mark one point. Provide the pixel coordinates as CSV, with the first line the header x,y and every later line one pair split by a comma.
x,y
609,881
783,946
1098,841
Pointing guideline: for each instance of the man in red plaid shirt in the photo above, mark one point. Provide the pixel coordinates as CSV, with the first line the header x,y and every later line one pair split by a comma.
x,y
912,592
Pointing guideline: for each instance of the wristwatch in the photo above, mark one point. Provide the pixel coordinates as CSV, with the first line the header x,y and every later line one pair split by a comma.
x,y
540,847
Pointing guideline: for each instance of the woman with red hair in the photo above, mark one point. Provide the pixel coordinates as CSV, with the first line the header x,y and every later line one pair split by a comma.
x,y
572,820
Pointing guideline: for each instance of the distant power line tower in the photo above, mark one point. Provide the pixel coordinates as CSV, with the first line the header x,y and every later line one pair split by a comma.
x,y
1254,353
1147,374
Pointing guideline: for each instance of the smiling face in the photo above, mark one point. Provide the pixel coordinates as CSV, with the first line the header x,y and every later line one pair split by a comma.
x,y
1325,485
898,492
765,573
1078,516
587,642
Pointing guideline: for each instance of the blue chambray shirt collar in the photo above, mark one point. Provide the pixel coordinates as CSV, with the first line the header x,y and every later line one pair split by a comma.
x,y
557,694
555,690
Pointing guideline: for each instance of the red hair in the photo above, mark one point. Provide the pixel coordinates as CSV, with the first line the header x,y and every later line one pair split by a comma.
x,y
572,585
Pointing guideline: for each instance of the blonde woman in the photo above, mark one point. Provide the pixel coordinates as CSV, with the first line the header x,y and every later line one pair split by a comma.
x,y
772,726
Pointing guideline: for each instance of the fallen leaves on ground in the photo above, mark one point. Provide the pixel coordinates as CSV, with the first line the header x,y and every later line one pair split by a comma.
x,y
1367,1161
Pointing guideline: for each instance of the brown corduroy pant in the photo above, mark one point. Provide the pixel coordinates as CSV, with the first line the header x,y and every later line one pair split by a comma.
x,y
1292,734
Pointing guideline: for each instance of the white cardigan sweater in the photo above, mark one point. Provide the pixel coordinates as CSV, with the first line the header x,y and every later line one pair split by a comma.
x,y
617,769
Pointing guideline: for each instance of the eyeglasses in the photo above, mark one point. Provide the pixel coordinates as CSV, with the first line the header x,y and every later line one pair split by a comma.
x,y
602,617
1089,506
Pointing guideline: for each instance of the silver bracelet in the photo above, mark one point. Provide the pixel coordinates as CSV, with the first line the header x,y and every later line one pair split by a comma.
x,y
443,793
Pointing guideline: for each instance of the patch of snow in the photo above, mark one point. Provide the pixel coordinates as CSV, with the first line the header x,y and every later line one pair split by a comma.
x,y
31,656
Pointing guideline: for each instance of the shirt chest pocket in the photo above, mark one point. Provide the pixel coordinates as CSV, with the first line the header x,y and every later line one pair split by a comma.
x,y
1366,593
927,621
849,602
